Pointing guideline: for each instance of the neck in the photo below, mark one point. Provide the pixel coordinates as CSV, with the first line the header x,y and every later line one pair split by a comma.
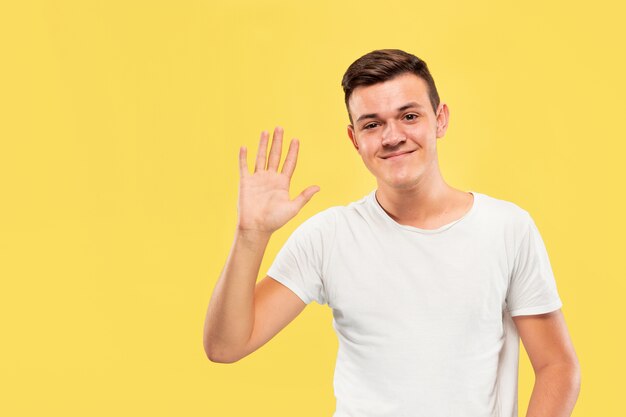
x,y
425,203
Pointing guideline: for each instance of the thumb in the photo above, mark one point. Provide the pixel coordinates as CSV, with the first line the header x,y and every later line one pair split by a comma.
x,y
305,196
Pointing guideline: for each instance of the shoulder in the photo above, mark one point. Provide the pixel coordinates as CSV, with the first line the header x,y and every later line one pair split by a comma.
x,y
320,225
333,215
504,211
321,219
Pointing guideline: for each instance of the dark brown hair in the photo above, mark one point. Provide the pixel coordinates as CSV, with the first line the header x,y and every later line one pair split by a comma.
x,y
382,65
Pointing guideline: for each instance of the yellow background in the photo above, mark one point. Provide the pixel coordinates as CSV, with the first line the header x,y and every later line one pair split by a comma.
x,y
120,128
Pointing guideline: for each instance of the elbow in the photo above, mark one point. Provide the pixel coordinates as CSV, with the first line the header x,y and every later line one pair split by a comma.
x,y
575,381
220,359
574,373
568,372
217,355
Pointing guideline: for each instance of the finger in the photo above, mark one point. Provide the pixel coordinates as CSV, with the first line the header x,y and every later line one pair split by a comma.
x,y
262,152
292,156
305,196
276,149
243,161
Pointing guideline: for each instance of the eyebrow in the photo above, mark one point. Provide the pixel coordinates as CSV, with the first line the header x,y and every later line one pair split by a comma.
x,y
402,108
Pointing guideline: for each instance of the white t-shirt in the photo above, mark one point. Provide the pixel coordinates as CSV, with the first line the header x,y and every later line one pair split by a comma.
x,y
423,317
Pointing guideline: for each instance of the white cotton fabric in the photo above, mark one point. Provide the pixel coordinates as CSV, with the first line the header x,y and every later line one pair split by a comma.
x,y
423,317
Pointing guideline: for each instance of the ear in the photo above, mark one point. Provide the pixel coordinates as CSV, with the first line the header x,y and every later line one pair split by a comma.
x,y
443,116
352,137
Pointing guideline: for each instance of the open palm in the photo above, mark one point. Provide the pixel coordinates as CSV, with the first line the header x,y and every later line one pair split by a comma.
x,y
264,204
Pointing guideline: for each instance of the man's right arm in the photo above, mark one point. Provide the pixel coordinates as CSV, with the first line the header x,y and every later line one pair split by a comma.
x,y
242,315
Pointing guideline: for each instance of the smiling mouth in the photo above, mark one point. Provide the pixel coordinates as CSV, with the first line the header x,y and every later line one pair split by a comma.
x,y
399,156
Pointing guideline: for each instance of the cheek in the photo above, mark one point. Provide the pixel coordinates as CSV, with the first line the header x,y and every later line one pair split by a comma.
x,y
367,151
368,144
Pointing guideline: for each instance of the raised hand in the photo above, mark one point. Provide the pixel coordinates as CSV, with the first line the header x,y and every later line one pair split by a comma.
x,y
264,204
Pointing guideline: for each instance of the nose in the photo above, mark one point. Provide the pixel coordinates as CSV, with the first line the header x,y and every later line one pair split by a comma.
x,y
392,135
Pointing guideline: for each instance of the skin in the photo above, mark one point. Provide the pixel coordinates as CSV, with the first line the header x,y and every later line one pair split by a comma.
x,y
557,371
242,316
412,191
410,188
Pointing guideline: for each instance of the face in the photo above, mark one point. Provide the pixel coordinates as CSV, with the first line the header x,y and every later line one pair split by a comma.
x,y
395,130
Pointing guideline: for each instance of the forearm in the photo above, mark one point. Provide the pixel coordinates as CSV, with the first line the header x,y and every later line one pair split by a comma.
x,y
555,391
230,314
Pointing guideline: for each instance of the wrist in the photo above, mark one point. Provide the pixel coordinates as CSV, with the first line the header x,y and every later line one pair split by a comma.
x,y
255,235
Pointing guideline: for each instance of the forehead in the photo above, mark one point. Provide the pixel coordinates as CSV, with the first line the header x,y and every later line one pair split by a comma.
x,y
389,95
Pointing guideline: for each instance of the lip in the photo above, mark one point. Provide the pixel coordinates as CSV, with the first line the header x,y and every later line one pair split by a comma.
x,y
398,155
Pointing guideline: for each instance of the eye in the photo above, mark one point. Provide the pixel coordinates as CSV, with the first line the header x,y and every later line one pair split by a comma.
x,y
414,116
369,126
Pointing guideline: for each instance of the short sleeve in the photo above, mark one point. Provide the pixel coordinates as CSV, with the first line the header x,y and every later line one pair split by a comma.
x,y
301,263
532,288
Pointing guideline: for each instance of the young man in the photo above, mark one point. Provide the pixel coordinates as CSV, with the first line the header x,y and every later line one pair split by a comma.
x,y
430,286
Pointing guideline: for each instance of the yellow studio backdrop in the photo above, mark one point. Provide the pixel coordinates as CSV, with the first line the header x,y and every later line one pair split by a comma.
x,y
120,127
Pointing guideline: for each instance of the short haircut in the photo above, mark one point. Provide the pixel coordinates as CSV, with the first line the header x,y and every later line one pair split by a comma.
x,y
382,65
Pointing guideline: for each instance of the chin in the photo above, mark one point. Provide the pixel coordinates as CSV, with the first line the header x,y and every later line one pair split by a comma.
x,y
402,183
